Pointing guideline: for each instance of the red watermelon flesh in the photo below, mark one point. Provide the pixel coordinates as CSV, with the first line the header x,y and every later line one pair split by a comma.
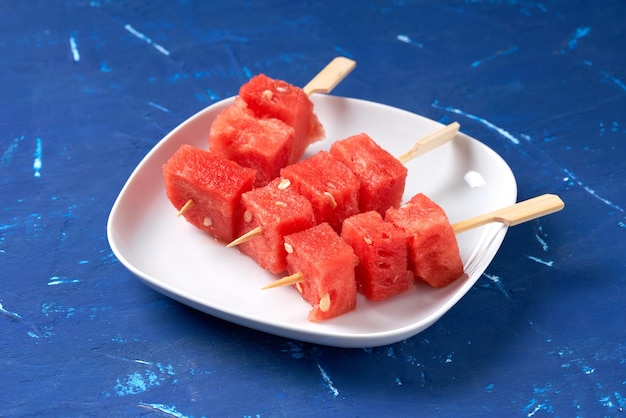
x,y
433,249
330,186
279,211
327,263
213,183
381,248
262,144
271,98
382,176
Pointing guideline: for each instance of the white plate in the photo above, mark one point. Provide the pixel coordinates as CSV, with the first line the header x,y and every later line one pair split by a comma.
x,y
464,176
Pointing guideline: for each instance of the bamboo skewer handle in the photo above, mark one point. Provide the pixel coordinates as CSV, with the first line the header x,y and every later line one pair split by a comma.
x,y
430,142
330,76
515,214
512,215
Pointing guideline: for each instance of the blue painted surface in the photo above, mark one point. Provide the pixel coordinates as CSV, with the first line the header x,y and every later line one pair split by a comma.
x,y
89,87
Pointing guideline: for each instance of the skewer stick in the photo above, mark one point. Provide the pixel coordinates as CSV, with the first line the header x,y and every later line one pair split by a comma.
x,y
330,76
430,142
185,207
285,281
253,233
516,214
422,146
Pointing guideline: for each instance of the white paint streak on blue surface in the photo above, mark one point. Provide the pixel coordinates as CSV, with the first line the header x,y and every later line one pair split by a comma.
x,y
158,106
56,280
540,261
496,54
169,410
572,177
37,163
619,83
407,40
295,349
485,122
8,153
578,34
498,282
328,382
10,314
212,95
136,383
588,370
544,244
146,39
74,48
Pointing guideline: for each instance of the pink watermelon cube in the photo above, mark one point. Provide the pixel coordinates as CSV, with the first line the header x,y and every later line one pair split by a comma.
x,y
262,144
331,187
279,211
327,264
215,186
433,249
382,176
381,249
271,98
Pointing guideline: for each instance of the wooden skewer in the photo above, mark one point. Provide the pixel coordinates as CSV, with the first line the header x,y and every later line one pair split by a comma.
x,y
430,142
185,207
285,281
326,80
253,233
516,214
422,146
330,76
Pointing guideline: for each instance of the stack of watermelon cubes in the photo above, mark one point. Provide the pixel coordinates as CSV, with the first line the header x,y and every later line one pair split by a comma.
x,y
334,219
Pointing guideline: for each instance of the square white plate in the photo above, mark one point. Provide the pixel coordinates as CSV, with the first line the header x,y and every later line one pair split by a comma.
x,y
464,176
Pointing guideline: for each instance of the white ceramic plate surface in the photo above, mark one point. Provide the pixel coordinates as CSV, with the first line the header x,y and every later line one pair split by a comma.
x,y
464,176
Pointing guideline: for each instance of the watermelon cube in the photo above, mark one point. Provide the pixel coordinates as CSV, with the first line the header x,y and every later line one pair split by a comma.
x,y
215,186
271,98
381,249
327,264
382,176
262,144
433,249
279,211
331,187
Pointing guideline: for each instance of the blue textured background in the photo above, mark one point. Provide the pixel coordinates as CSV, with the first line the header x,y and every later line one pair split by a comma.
x,y
89,87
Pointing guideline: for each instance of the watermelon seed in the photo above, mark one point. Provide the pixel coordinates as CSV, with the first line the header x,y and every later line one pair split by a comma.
x,y
284,183
279,203
247,216
288,248
325,303
331,199
268,94
367,240
207,221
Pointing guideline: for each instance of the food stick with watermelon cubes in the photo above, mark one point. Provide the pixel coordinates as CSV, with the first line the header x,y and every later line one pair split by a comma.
x,y
272,122
261,134
439,266
382,177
